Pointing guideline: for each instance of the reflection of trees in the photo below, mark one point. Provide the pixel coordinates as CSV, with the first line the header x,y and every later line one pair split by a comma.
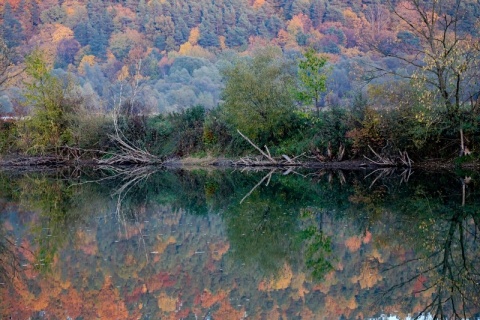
x,y
269,225
9,260
443,231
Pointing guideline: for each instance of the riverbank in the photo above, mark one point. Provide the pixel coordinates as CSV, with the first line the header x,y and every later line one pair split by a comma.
x,y
37,162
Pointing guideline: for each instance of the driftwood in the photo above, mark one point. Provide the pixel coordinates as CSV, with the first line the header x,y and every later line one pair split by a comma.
x,y
128,153
385,161
35,161
330,155
266,160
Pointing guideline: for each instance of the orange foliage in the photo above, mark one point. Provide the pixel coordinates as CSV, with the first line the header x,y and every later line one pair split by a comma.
x,y
274,314
14,3
219,249
258,3
353,243
338,306
368,237
208,299
368,276
285,39
329,280
108,303
227,312
87,242
187,49
161,245
419,285
159,281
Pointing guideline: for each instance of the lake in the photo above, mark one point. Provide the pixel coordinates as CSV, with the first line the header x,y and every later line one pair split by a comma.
x,y
138,243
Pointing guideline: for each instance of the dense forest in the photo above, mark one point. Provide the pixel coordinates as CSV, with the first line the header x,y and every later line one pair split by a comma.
x,y
178,78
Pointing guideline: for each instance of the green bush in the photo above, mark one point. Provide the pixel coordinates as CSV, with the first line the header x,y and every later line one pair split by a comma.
x,y
176,134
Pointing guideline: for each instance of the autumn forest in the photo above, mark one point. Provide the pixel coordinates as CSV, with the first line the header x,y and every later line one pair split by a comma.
x,y
239,159
333,80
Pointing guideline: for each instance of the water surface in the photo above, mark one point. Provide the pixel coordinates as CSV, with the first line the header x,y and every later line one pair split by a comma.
x,y
206,244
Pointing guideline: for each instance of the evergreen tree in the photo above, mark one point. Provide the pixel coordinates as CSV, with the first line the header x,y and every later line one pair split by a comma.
x,y
208,38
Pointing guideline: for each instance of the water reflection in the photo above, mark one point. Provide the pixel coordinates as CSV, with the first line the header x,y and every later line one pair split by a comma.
x,y
219,244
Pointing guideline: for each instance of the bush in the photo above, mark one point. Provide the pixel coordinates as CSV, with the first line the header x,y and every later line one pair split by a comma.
x,y
176,134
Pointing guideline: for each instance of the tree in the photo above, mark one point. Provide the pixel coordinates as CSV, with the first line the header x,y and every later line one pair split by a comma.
x,y
445,60
311,71
48,128
257,98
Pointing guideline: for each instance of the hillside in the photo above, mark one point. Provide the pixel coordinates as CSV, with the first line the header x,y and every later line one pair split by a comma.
x,y
94,39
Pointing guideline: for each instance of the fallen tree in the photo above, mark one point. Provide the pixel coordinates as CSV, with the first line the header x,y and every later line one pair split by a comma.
x,y
266,158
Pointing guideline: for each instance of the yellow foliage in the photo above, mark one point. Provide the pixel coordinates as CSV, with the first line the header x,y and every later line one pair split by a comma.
x,y
219,249
162,245
185,48
227,312
278,283
194,36
368,276
61,32
123,74
295,25
297,284
222,39
166,303
352,304
88,59
352,21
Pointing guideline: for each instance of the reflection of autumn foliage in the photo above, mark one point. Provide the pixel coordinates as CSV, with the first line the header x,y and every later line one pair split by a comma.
x,y
353,243
218,250
109,305
280,282
368,277
167,303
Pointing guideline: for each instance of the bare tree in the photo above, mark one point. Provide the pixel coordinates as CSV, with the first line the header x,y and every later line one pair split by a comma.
x,y
444,57
378,16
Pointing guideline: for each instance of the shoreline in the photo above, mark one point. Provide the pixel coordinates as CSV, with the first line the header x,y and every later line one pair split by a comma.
x,y
49,162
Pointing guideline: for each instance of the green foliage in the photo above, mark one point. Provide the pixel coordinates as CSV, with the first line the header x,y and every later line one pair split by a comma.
x,y
8,137
312,76
48,128
176,134
319,248
257,98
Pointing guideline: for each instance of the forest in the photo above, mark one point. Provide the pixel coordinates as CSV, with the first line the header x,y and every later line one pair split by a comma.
x,y
125,81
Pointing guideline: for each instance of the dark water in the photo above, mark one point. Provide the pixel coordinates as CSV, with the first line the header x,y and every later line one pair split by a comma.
x,y
221,245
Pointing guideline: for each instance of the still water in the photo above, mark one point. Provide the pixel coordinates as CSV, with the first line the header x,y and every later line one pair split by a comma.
x,y
215,244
